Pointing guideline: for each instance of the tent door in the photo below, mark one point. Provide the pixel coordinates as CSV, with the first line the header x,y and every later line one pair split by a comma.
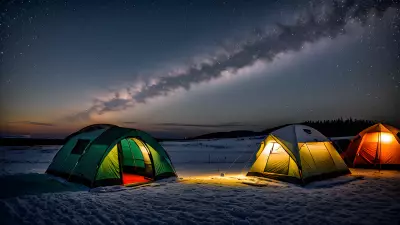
x,y
278,160
147,160
136,166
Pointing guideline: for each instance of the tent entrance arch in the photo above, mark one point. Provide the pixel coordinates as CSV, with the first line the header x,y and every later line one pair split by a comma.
x,y
131,160
137,161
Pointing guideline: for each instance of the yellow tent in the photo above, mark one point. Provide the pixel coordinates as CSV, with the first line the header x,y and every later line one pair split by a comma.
x,y
297,154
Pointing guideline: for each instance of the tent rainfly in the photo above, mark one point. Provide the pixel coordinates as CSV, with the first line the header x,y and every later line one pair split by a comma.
x,y
297,154
377,146
102,155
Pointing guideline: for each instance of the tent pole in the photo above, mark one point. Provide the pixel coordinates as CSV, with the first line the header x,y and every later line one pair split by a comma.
x,y
121,161
358,150
150,156
380,151
270,151
80,157
377,150
130,150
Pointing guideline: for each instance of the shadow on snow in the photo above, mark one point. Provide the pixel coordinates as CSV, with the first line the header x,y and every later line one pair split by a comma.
x,y
34,184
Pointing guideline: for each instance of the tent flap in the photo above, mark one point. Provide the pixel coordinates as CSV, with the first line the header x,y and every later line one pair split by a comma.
x,y
109,168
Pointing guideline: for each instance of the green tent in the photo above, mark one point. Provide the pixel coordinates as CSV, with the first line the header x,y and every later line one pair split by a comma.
x,y
298,154
101,155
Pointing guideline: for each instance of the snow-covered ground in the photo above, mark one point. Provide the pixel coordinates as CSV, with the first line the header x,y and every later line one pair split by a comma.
x,y
199,196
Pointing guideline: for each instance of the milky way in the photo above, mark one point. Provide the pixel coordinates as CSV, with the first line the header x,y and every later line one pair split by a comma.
x,y
179,65
310,27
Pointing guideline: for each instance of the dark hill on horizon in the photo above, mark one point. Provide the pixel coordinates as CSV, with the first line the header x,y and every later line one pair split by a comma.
x,y
236,134
229,134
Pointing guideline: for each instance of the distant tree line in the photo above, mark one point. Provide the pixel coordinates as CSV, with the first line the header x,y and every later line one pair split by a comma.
x,y
340,127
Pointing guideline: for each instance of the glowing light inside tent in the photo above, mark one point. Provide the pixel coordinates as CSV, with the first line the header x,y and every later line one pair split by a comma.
x,y
268,147
277,149
386,138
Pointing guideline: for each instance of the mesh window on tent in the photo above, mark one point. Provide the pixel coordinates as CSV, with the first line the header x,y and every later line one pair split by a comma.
x,y
80,146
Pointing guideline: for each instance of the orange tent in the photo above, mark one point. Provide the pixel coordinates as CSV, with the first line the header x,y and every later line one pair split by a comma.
x,y
377,146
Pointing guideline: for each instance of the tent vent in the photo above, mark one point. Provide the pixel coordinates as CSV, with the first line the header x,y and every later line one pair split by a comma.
x,y
80,146
307,131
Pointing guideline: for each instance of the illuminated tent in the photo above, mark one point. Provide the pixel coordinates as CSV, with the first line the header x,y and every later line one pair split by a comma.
x,y
298,154
377,146
101,155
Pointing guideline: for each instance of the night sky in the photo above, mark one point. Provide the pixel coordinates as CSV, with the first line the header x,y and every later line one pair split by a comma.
x,y
183,68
